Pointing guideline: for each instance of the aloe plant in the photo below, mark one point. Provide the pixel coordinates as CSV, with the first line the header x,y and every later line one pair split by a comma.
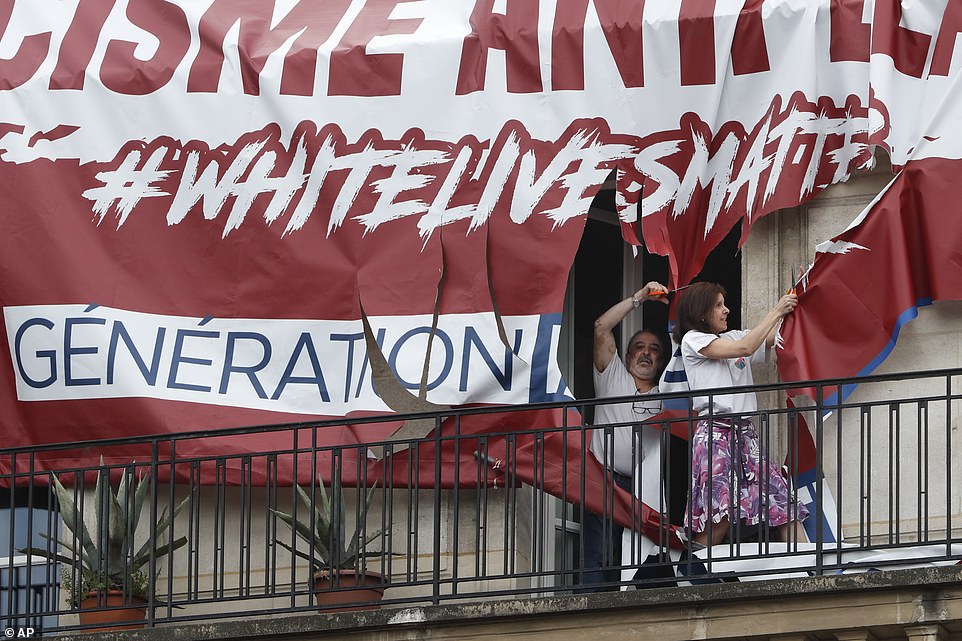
x,y
109,561
324,532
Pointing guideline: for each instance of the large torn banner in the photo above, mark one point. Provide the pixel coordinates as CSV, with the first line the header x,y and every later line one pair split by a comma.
x,y
902,254
214,210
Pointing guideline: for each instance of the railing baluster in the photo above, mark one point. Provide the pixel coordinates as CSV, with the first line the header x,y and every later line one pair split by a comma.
x,y
839,488
892,490
819,475
867,467
438,520
949,534
456,508
922,475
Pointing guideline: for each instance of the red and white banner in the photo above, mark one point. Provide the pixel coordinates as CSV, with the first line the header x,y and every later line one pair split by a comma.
x,y
201,199
902,252
902,255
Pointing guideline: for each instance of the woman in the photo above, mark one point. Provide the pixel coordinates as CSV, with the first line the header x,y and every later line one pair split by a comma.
x,y
726,459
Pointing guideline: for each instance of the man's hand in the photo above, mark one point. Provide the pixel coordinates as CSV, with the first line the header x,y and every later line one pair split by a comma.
x,y
652,290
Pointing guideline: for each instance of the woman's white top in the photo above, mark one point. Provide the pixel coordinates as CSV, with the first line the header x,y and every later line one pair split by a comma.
x,y
705,373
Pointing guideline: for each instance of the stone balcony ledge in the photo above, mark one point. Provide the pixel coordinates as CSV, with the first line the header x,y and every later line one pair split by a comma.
x,y
919,604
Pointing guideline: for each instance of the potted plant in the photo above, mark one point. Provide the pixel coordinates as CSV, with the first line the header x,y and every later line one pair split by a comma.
x,y
337,578
105,576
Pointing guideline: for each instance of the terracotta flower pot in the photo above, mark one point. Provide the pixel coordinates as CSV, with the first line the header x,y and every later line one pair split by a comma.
x,y
132,609
349,589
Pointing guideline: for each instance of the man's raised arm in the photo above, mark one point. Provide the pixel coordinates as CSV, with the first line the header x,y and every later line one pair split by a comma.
x,y
605,349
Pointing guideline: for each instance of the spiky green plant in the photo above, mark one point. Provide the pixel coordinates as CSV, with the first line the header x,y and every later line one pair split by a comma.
x,y
110,561
324,532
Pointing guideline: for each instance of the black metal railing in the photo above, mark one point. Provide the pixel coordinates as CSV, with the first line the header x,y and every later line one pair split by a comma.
x,y
490,503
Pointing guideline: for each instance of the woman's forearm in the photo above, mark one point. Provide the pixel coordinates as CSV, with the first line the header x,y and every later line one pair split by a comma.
x,y
756,337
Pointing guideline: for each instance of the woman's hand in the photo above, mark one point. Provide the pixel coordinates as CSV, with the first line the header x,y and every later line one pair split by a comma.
x,y
785,305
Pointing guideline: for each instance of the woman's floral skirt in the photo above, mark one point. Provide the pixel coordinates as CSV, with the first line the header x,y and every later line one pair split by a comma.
x,y
737,467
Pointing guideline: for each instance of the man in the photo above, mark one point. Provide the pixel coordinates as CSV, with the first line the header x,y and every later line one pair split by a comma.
x,y
638,374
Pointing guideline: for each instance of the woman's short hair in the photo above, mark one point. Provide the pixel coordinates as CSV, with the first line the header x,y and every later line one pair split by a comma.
x,y
693,308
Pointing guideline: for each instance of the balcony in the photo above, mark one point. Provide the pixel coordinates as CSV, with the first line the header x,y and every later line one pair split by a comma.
x,y
488,533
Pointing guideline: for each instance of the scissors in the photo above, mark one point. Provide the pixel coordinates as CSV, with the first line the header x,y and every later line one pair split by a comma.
x,y
660,292
791,289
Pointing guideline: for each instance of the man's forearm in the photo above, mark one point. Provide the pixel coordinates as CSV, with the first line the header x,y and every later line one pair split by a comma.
x,y
617,312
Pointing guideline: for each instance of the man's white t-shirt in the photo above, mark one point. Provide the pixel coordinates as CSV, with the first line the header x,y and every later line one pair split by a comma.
x,y
643,462
705,373
616,381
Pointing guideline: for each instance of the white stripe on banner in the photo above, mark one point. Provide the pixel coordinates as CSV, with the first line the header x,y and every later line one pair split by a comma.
x,y
674,378
315,367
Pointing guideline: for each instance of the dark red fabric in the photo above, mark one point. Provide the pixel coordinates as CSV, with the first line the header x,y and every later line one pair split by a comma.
x,y
904,255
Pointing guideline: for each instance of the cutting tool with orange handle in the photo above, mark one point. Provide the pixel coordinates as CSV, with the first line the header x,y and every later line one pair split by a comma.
x,y
664,293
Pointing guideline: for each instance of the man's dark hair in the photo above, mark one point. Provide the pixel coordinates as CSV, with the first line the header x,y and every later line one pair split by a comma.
x,y
693,308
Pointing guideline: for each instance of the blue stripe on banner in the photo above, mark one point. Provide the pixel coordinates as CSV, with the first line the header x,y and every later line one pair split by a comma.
x,y
538,391
910,314
674,378
678,376
675,404
807,484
